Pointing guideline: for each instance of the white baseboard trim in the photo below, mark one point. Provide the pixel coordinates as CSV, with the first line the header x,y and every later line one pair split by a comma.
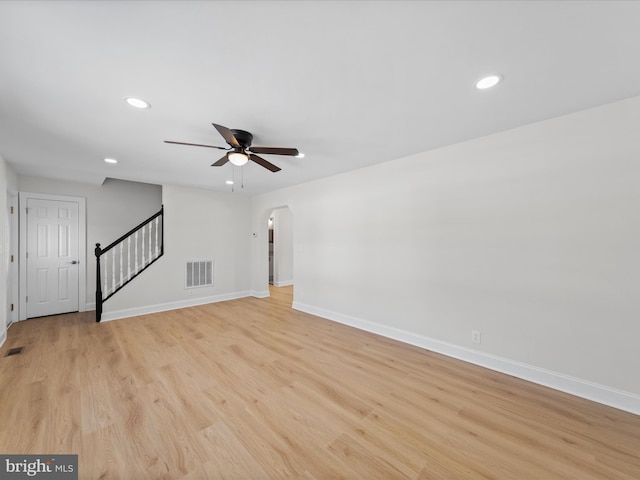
x,y
565,383
90,306
284,283
163,307
260,293
4,337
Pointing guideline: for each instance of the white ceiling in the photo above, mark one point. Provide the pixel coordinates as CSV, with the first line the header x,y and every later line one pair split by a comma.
x,y
348,83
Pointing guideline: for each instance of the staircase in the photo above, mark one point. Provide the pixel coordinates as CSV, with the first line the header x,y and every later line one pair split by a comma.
x,y
127,257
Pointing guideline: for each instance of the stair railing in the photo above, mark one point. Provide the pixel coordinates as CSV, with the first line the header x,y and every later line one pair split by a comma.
x,y
127,257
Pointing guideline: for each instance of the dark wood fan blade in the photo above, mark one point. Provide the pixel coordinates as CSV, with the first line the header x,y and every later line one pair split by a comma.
x,y
263,163
221,162
195,145
275,150
227,135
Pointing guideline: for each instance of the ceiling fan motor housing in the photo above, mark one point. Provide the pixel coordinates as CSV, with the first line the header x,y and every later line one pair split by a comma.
x,y
243,137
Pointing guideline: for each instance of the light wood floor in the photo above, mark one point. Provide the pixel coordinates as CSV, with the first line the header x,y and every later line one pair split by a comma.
x,y
250,389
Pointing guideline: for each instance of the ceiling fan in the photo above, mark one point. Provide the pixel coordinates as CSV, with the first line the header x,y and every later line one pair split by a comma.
x,y
240,150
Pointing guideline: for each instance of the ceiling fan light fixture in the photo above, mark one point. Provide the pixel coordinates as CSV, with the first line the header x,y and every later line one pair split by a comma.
x,y
111,160
238,158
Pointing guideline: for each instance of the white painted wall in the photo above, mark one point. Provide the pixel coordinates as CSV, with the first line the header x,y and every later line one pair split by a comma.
x,y
8,183
113,208
199,224
282,247
530,236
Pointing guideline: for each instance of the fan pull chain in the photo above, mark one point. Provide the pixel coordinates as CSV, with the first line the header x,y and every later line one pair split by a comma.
x,y
241,177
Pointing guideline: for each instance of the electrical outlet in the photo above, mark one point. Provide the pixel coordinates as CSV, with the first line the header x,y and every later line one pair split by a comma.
x,y
475,336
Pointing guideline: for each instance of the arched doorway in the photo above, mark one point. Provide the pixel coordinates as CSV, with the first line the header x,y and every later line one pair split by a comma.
x,y
280,225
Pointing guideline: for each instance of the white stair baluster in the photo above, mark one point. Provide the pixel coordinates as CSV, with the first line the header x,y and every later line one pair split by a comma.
x,y
157,251
113,269
129,258
106,273
142,247
149,226
135,242
121,269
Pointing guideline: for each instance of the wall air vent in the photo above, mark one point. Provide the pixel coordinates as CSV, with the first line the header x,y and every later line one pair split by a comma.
x,y
198,273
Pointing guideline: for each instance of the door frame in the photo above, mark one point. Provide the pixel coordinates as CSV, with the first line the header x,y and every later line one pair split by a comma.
x,y
82,247
278,240
12,247
260,251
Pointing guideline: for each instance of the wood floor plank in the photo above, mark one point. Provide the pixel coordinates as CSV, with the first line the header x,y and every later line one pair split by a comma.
x,y
251,389
229,459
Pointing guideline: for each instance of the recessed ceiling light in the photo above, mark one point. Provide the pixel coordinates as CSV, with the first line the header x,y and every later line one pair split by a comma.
x,y
110,160
488,82
137,102
300,155
229,182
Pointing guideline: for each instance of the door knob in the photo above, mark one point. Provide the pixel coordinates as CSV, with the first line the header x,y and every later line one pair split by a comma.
x,y
73,262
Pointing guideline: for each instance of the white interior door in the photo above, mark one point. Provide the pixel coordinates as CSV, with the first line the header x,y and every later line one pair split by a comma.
x,y
52,256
